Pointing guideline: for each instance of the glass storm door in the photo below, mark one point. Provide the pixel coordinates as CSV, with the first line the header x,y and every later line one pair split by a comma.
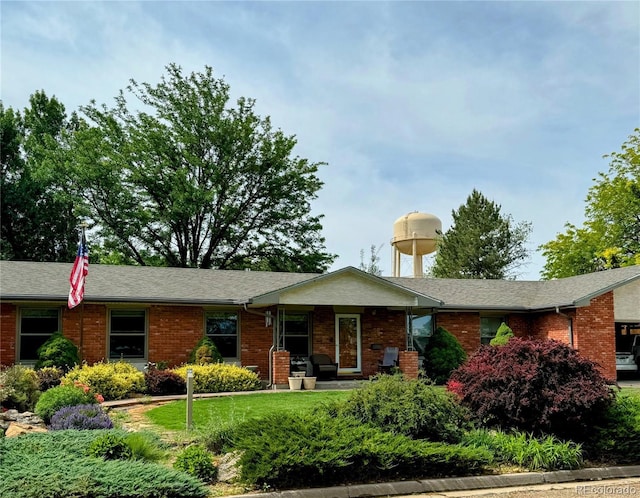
x,y
348,348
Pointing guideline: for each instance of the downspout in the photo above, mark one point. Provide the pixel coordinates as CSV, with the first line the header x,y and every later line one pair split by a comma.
x,y
268,317
569,323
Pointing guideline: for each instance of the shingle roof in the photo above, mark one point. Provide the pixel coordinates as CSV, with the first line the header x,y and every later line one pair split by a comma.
x,y
109,283
523,295
50,281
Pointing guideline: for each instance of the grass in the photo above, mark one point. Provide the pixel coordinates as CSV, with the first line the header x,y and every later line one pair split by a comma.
x,y
632,392
227,409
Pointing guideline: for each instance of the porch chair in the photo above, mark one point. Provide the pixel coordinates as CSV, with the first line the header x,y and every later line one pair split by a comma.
x,y
323,367
389,360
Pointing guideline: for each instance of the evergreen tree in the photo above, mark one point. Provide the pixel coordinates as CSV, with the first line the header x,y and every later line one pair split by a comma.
x,y
482,242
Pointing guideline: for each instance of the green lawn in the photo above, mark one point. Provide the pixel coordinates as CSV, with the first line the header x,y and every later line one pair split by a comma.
x,y
225,409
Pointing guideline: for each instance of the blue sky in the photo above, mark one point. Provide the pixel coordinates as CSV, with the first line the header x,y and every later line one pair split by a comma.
x,y
411,104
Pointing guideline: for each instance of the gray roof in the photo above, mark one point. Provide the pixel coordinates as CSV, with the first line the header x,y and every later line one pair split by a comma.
x,y
32,281
520,295
23,280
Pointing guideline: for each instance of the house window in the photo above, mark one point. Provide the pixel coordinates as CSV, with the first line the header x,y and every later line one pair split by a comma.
x,y
128,334
222,329
36,326
295,331
421,331
488,327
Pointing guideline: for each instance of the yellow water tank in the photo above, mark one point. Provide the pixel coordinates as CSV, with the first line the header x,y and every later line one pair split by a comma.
x,y
416,230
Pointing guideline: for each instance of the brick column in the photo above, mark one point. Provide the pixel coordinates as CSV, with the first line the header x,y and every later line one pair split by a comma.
x,y
281,367
408,363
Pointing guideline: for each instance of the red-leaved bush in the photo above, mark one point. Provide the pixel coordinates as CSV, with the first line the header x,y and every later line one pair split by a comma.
x,y
536,386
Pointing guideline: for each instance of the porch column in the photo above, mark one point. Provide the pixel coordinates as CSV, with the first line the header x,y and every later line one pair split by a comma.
x,y
408,363
281,367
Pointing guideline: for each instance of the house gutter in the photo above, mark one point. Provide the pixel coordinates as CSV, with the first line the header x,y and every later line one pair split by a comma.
x,y
569,325
268,317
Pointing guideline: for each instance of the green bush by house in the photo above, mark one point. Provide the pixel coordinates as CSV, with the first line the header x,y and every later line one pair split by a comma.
x,y
503,335
57,351
114,380
442,355
410,407
220,377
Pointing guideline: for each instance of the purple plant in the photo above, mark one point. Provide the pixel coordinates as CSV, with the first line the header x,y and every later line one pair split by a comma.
x,y
80,417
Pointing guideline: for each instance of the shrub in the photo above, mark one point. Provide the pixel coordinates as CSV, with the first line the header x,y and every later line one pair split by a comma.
x,y
58,397
534,386
205,352
503,335
220,377
145,446
196,461
49,377
55,464
115,380
163,382
57,351
19,388
286,450
442,355
80,417
524,450
410,407
110,446
616,437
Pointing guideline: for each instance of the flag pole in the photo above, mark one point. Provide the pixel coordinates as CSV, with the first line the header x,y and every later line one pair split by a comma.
x,y
83,225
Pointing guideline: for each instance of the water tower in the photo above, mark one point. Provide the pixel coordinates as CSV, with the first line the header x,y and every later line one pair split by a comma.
x,y
414,234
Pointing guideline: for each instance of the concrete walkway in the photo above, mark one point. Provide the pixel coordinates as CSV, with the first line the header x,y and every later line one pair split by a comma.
x,y
456,484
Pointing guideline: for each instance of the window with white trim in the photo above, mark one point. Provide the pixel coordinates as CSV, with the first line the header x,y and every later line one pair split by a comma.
x,y
36,326
127,334
222,328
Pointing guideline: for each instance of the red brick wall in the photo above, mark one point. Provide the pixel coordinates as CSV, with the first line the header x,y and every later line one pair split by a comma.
x,y
464,326
520,324
173,332
408,363
255,341
551,325
594,333
8,323
94,330
281,367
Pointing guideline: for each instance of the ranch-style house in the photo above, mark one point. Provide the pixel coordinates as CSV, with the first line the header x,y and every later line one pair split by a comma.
x,y
272,322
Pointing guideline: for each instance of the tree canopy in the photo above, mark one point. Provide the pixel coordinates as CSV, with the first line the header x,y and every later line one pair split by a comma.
x,y
37,222
174,174
610,236
481,243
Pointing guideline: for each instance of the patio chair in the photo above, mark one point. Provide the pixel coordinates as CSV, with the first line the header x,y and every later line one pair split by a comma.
x,y
389,360
323,366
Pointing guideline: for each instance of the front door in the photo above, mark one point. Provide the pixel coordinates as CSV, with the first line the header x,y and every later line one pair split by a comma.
x,y
348,347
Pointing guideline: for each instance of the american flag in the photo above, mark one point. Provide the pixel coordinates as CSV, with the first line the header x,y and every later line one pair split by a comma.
x,y
78,273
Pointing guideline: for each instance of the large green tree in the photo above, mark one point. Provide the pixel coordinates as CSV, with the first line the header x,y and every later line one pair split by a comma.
x,y
610,236
38,220
175,175
481,243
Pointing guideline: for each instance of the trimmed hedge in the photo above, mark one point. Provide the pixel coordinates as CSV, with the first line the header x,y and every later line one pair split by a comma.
x,y
220,377
114,380
54,465
18,388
